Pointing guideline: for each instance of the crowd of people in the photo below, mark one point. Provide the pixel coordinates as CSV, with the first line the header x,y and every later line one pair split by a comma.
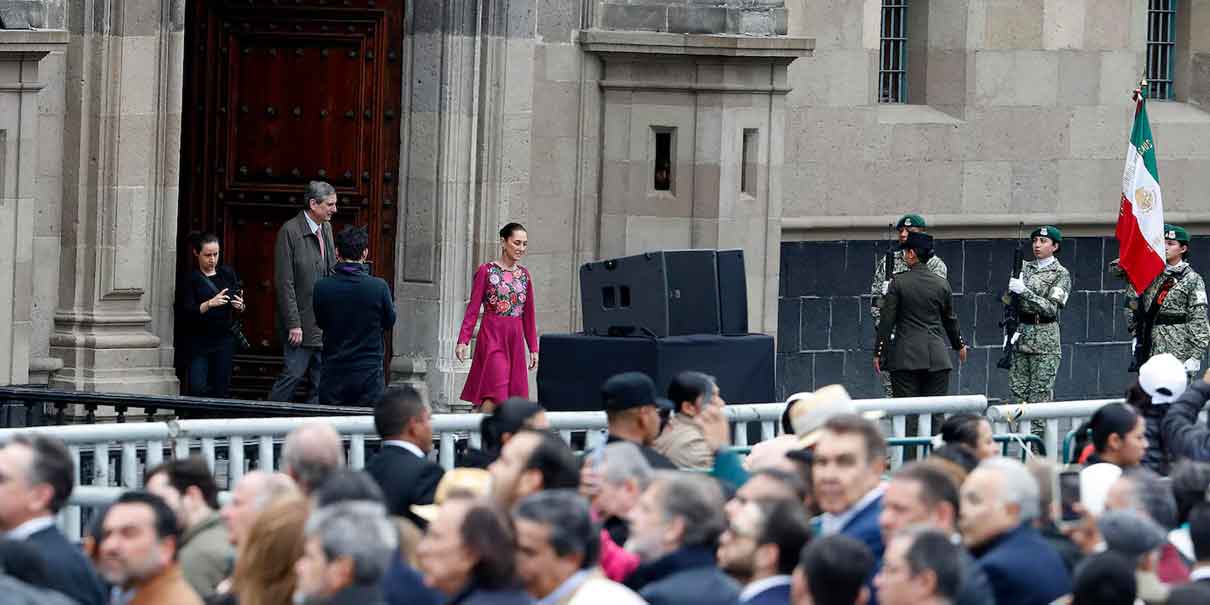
x,y
664,512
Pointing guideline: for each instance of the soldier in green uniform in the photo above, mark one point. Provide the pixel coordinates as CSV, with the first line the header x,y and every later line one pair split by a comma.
x,y
1042,290
908,223
1170,315
918,308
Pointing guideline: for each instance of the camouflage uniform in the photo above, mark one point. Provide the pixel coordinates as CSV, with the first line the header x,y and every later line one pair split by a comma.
x,y
935,264
1037,353
1180,326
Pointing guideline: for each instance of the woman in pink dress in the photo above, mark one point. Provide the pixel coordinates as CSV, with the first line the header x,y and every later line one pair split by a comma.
x,y
506,292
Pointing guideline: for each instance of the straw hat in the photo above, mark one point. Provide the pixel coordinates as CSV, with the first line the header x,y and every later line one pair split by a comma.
x,y
475,481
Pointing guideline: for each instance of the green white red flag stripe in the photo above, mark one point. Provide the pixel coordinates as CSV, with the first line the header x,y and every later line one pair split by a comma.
x,y
1140,229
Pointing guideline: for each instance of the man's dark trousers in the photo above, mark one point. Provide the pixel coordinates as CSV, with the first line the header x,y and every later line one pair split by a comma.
x,y
920,383
356,388
299,362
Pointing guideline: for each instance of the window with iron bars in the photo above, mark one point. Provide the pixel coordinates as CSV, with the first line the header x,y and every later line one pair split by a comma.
x,y
1161,40
892,55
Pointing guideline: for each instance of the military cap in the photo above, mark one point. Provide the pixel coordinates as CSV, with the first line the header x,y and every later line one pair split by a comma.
x,y
1177,233
920,242
1048,231
910,220
631,390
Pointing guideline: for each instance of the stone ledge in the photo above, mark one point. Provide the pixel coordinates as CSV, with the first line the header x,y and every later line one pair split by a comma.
x,y
32,40
897,113
810,228
1175,112
602,41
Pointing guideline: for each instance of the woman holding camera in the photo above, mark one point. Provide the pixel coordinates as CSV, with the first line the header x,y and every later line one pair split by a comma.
x,y
210,297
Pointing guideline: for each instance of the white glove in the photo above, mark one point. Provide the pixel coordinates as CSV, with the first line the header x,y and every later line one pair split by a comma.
x,y
1193,365
1016,285
886,285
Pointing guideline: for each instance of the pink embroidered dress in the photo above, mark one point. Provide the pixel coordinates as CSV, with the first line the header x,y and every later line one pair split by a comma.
x,y
499,367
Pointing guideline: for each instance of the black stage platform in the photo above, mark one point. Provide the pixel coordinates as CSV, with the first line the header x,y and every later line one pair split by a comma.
x,y
573,366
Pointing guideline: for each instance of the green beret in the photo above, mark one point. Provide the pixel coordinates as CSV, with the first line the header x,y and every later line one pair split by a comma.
x,y
1177,233
1048,231
910,220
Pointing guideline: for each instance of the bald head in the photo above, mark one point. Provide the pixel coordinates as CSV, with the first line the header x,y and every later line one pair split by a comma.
x,y
251,495
310,453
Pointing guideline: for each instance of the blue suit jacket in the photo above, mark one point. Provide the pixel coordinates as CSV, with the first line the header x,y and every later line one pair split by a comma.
x,y
777,595
863,527
1023,568
69,572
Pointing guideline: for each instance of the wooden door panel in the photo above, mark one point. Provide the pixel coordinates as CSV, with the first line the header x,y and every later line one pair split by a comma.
x,y
279,94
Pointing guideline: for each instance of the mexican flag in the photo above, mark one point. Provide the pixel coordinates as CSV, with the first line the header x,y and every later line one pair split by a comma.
x,y
1140,230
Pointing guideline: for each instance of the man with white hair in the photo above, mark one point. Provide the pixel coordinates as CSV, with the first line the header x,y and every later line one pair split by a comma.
x,y
349,546
999,501
252,494
310,453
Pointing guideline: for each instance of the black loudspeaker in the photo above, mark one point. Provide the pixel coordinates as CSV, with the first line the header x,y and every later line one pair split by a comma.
x,y
667,293
732,292
625,296
692,292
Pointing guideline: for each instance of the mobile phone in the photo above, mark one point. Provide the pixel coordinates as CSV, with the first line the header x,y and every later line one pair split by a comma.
x,y
1067,491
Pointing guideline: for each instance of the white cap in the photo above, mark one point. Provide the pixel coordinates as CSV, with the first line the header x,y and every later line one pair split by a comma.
x,y
1095,481
1163,378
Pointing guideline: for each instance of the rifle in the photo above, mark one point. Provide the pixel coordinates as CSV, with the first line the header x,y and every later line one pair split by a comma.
x,y
1012,320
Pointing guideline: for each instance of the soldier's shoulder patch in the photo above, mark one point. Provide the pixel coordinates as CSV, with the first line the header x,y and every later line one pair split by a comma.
x,y
1199,297
1060,295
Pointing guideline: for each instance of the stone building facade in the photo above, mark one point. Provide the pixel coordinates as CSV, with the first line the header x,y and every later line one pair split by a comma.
x,y
555,113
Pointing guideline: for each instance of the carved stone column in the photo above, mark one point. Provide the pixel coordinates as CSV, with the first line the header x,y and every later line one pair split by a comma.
x,y
121,150
20,81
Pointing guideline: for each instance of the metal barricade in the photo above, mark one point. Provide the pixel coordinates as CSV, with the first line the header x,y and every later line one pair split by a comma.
x,y
1002,416
113,457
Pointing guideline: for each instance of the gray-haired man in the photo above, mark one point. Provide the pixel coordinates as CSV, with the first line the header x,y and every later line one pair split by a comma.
x,y
304,254
349,546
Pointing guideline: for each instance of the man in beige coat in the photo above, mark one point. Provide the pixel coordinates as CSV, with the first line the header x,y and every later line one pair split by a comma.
x,y
682,440
205,554
304,253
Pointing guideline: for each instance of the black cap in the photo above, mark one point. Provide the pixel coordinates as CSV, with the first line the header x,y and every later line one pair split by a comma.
x,y
920,242
631,390
805,455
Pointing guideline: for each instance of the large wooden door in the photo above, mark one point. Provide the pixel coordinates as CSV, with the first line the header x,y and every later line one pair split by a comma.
x,y
278,93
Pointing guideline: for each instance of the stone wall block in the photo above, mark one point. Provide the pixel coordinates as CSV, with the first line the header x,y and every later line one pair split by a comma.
x,y
951,252
1013,24
789,316
814,324
1012,77
697,19
1107,24
848,313
1079,77
1074,318
1063,24
634,17
1084,258
971,377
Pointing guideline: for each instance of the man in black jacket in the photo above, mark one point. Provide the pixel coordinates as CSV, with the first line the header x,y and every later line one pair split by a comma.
x,y
353,308
401,468
35,481
918,308
1183,435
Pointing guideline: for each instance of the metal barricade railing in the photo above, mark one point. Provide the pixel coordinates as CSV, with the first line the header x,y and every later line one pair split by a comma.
x,y
1052,413
113,457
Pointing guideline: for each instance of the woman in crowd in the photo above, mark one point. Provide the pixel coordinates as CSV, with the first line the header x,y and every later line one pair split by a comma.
x,y
210,297
1118,437
264,570
498,427
470,552
505,291
971,432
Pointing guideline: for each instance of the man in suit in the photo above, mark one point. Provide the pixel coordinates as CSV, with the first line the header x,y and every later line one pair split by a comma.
x,y
921,494
558,546
402,468
304,254
35,481
918,308
921,566
999,502
760,549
